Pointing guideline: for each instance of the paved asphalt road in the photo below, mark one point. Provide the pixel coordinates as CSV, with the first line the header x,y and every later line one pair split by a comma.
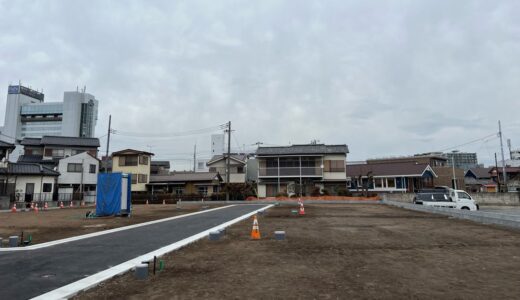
x,y
507,210
26,274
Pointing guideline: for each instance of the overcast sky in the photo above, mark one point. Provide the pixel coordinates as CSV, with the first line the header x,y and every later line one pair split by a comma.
x,y
384,77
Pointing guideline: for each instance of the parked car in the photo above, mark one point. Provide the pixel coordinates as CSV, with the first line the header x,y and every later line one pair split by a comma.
x,y
445,197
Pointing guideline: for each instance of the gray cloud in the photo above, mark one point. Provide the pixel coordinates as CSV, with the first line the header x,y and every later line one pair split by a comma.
x,y
387,78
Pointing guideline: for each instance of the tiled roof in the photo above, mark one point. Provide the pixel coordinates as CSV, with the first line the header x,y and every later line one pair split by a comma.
x,y
28,169
239,157
61,141
387,169
185,176
480,172
160,163
6,145
30,158
31,142
303,149
130,152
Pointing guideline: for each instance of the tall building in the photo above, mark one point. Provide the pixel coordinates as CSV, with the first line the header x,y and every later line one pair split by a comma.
x,y
462,160
27,115
217,144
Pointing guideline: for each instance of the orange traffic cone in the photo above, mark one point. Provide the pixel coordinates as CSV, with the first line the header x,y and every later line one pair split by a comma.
x,y
61,204
36,207
71,205
13,209
146,201
164,202
82,203
45,206
32,205
255,232
302,209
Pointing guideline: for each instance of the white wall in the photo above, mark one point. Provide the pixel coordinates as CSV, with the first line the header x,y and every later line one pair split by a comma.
x,y
72,112
38,181
74,177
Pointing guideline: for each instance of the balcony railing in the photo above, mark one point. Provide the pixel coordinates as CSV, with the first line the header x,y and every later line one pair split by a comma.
x,y
291,171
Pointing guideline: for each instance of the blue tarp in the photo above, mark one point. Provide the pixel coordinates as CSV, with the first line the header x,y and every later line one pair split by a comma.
x,y
109,191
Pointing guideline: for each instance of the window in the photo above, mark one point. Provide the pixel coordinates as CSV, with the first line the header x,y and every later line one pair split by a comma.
x,y
143,160
127,161
179,191
215,189
74,168
58,153
391,182
47,187
133,178
203,190
463,195
213,169
143,178
378,182
334,166
92,169
240,170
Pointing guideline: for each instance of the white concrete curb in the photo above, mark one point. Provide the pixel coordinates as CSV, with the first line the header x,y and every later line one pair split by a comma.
x,y
93,280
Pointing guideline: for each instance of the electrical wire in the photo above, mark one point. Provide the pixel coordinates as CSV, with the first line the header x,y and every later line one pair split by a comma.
x,y
169,135
468,143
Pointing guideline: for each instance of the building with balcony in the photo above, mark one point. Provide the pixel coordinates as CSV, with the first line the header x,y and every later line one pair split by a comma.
x,y
133,162
48,150
237,167
299,169
186,184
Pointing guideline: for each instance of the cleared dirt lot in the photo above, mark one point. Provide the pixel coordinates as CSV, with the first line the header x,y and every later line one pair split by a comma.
x,y
62,223
338,252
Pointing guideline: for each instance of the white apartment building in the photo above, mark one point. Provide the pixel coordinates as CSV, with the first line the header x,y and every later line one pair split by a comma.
x,y
27,115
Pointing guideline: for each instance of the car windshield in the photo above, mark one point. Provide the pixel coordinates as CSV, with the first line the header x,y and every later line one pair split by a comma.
x,y
463,195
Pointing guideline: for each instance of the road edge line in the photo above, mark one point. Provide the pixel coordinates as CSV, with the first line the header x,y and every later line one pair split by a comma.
x,y
98,233
84,284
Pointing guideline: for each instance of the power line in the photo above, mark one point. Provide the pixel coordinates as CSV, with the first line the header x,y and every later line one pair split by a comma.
x,y
470,142
169,135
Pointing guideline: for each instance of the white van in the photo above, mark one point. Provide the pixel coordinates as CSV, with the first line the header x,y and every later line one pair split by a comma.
x,y
445,197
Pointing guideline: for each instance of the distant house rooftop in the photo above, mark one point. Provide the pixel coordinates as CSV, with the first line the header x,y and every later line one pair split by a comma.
x,y
61,141
405,169
242,158
186,177
160,163
27,169
130,152
309,149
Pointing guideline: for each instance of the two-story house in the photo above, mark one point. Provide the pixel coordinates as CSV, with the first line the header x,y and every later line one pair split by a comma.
x,y
298,169
237,167
78,175
134,162
48,150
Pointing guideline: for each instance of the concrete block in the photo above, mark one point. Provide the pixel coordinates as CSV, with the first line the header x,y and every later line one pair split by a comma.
x,y
141,271
279,235
214,236
222,231
13,241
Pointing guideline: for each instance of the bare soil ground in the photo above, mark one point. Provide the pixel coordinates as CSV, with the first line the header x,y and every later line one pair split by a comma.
x,y
338,252
56,224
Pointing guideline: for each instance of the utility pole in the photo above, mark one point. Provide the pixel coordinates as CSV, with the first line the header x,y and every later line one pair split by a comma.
x,y
503,159
453,168
228,159
108,141
194,157
498,173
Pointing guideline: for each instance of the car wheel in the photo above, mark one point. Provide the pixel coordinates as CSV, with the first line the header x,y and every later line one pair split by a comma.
x,y
465,208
